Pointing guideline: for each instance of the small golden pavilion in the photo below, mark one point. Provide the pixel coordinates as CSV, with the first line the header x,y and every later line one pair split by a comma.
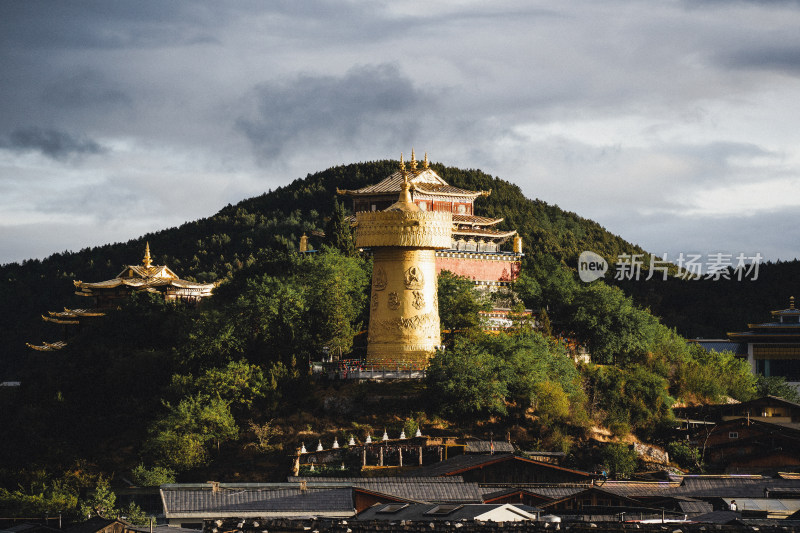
x,y
145,277
109,294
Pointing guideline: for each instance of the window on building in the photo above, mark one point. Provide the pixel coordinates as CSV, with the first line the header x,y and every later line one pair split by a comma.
x,y
733,434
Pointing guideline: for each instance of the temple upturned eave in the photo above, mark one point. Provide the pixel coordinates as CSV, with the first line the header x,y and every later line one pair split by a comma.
x,y
46,346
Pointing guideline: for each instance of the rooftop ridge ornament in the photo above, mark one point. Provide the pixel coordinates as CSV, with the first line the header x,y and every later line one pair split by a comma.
x,y
402,164
791,302
426,164
413,161
147,261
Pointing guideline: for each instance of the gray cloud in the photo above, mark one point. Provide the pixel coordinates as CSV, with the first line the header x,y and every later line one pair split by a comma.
x,y
52,143
85,88
367,100
657,110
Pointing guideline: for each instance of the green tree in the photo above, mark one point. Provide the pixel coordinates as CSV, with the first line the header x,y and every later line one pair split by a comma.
x,y
152,477
464,382
338,233
179,440
459,303
686,455
101,502
619,460
776,386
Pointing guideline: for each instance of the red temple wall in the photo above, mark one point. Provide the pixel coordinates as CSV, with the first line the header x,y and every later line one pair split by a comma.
x,y
479,269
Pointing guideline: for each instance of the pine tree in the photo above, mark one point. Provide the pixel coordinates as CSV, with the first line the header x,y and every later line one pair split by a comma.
x,y
338,233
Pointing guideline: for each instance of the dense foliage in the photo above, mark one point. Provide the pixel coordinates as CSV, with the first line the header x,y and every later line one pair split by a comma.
x,y
160,391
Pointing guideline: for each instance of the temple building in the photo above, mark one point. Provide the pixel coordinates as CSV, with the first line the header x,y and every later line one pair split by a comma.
x,y
773,348
144,277
474,250
109,294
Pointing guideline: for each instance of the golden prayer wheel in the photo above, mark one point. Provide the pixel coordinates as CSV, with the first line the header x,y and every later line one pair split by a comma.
x,y
404,309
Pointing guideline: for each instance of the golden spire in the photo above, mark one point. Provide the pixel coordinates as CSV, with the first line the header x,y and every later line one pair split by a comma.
x,y
147,263
402,164
791,302
405,190
413,161
426,164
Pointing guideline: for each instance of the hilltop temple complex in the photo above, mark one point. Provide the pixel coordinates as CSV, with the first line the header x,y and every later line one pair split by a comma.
x,y
474,247
111,293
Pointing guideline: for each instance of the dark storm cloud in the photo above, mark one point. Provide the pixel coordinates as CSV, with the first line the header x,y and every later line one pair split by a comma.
x,y
52,143
365,101
785,58
99,24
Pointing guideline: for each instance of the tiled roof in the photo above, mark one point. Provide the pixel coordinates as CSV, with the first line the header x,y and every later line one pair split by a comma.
x,y
230,500
695,507
92,525
461,463
421,489
634,489
449,190
732,487
350,480
738,348
475,220
428,512
485,446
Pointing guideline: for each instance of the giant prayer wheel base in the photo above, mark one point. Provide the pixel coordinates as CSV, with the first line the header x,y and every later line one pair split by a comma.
x,y
404,309
404,306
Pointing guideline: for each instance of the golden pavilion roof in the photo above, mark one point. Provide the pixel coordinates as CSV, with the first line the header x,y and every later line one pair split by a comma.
x,y
423,180
142,277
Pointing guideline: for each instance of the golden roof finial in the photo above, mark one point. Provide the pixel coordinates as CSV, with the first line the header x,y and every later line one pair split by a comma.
x,y
147,263
402,164
426,164
791,302
405,189
413,161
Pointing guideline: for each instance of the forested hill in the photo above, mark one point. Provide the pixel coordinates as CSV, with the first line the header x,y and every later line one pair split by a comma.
x,y
212,248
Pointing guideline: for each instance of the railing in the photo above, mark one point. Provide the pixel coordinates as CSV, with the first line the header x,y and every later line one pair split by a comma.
x,y
357,369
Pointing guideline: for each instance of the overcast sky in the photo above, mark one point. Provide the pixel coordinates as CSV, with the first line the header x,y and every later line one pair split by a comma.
x,y
673,124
